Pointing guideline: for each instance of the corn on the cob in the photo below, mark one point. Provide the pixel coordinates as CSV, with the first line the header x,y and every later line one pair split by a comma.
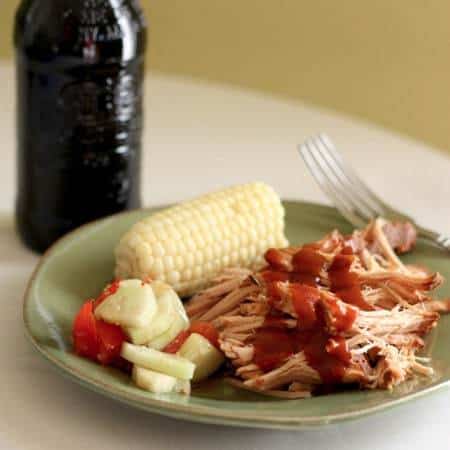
x,y
189,244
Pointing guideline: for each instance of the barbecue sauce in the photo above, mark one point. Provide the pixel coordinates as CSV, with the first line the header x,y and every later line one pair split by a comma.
x,y
304,299
308,261
325,353
275,275
272,346
296,277
344,283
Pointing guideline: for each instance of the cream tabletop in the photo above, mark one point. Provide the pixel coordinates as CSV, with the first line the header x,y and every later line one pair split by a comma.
x,y
199,137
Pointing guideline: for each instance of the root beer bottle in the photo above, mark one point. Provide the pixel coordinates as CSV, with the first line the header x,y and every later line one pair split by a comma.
x,y
79,113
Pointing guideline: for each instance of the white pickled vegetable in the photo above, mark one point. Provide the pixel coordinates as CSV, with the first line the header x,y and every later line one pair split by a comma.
x,y
180,324
203,354
159,383
183,387
167,313
132,305
166,363
149,380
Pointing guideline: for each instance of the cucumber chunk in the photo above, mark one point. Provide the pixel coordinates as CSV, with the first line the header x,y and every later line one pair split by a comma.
x,y
148,358
132,305
159,383
167,302
180,323
203,354
152,381
183,387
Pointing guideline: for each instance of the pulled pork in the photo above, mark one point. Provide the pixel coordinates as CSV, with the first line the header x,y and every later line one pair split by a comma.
x,y
341,310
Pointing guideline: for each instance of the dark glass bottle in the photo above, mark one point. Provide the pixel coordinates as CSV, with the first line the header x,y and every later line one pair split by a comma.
x,y
79,113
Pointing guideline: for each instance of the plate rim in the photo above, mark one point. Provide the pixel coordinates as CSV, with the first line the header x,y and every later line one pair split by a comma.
x,y
199,413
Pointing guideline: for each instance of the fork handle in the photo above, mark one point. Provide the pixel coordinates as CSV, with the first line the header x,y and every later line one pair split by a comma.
x,y
434,238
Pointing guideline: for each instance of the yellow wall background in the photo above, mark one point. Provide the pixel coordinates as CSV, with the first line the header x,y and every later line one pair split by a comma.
x,y
386,61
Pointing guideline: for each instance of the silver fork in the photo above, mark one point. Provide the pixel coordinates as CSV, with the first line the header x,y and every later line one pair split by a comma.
x,y
351,196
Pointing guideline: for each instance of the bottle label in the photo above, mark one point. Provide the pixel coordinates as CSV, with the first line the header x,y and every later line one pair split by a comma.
x,y
78,106
85,129
101,101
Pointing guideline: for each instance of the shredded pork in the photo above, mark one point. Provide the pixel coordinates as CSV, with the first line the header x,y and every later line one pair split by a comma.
x,y
369,311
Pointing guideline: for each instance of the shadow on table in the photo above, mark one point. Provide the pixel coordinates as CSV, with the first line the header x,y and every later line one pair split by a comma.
x,y
12,249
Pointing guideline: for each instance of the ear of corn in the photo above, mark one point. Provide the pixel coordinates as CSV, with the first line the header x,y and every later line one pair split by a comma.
x,y
189,244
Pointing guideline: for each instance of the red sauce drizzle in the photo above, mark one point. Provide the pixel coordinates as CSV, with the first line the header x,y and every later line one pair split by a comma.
x,y
336,346
278,259
272,346
339,316
339,272
328,355
270,276
309,261
305,278
344,283
273,321
353,296
321,318
274,292
325,353
304,299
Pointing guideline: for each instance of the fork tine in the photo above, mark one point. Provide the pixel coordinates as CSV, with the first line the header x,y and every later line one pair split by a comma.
x,y
341,181
307,154
364,193
341,190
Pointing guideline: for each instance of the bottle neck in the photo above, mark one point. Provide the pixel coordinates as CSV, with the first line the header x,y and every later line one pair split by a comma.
x,y
82,31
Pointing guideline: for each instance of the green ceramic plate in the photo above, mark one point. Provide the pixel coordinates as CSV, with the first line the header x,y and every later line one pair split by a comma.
x,y
80,264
